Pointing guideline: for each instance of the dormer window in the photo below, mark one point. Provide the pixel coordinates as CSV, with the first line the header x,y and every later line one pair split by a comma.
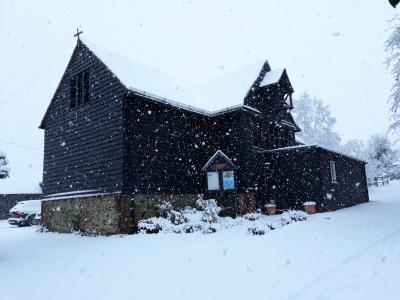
x,y
79,89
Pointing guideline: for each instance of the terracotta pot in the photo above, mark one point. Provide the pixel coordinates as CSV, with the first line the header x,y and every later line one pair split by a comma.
x,y
310,208
270,209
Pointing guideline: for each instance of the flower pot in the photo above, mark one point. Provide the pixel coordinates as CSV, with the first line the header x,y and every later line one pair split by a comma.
x,y
270,209
309,207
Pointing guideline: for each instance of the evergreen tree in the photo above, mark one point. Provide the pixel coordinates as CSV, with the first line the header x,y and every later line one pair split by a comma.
x,y
393,61
4,169
381,156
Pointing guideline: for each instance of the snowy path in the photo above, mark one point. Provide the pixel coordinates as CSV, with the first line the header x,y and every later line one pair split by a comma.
x,y
352,253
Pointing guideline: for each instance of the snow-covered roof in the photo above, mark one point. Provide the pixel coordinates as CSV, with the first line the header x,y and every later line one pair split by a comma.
x,y
187,107
212,158
272,77
315,146
212,96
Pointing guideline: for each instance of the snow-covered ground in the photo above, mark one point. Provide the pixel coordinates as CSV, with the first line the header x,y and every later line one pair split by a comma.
x,y
352,253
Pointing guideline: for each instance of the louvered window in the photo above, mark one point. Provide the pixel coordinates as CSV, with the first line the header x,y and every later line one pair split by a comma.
x,y
79,89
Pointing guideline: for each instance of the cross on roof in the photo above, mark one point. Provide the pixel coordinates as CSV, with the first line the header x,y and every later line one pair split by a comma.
x,y
78,33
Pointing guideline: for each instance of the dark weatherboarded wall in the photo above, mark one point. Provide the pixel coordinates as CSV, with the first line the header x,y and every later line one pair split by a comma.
x,y
84,146
168,146
296,175
290,177
351,187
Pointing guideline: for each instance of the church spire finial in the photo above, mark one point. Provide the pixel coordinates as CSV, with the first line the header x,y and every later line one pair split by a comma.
x,y
78,32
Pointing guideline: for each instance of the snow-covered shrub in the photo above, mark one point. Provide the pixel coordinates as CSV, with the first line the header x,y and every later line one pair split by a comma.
x,y
257,229
289,217
176,217
285,219
252,216
156,225
165,208
153,225
186,220
205,219
4,169
167,212
295,215
210,209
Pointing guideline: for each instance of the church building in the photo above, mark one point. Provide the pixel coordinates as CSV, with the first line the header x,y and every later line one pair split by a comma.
x,y
121,137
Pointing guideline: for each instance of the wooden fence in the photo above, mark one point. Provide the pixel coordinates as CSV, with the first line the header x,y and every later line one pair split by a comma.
x,y
378,181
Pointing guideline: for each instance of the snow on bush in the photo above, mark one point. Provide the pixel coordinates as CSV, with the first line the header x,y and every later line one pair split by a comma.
x,y
4,169
205,219
210,209
188,220
252,216
167,212
285,219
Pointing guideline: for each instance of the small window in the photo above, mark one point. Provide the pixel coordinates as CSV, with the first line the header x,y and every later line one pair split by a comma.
x,y
332,167
79,89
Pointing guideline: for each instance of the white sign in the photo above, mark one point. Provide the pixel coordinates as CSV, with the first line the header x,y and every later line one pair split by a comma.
x,y
213,181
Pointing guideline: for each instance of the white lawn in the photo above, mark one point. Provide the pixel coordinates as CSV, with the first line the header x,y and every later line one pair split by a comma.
x,y
353,253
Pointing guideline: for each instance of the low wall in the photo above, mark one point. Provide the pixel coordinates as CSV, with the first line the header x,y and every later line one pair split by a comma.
x,y
246,203
146,205
233,204
111,214
92,215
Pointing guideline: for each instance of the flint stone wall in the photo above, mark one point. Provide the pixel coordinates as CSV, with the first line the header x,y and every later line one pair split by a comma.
x,y
114,214
147,205
92,215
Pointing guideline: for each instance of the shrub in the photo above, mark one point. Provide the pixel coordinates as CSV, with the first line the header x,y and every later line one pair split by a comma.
x,y
257,229
210,209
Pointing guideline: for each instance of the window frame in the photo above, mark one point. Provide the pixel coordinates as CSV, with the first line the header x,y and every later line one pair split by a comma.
x,y
333,173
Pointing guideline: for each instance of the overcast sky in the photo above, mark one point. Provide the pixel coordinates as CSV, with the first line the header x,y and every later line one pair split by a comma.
x,y
331,49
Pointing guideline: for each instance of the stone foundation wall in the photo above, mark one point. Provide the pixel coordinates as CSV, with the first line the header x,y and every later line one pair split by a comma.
x,y
246,203
111,214
92,215
146,205
233,204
